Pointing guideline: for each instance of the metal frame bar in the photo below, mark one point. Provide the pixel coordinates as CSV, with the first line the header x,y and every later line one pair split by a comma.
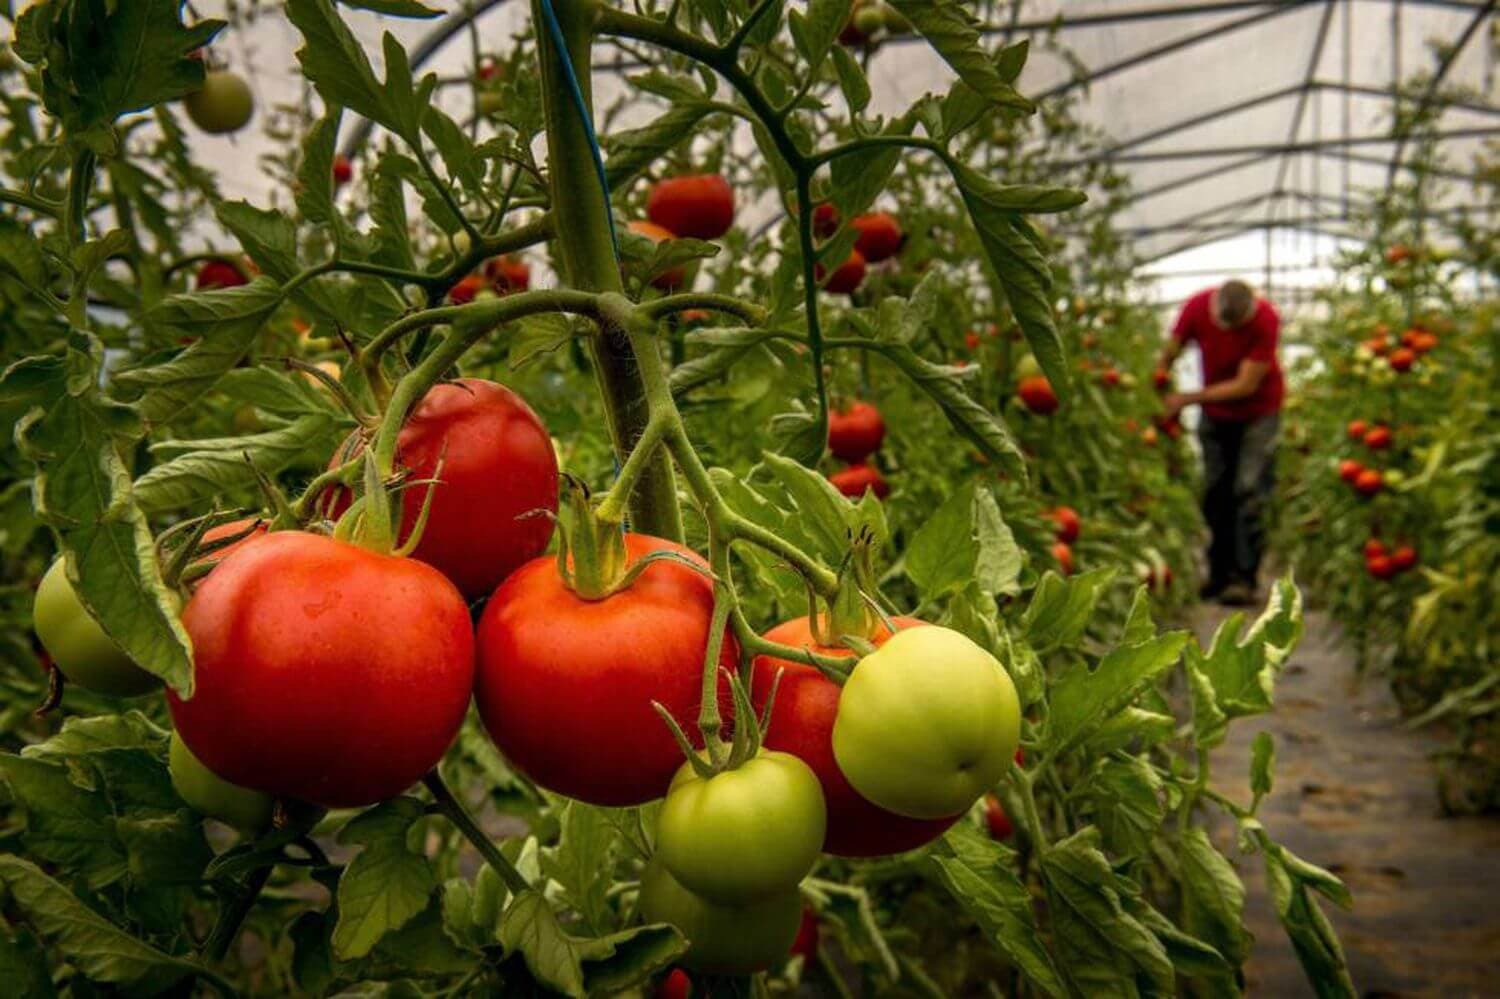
x,y
1264,149
1197,241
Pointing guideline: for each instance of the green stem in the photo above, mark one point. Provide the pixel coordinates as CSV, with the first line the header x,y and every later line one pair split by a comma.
x,y
656,309
232,914
1029,813
581,212
455,812
36,203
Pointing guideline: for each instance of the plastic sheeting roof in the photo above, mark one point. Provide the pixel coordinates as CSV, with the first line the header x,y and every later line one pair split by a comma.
x,y
1248,129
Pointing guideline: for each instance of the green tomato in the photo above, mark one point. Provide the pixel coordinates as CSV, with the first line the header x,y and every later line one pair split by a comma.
x,y
1027,367
78,646
212,795
868,20
490,101
745,833
926,724
723,939
224,104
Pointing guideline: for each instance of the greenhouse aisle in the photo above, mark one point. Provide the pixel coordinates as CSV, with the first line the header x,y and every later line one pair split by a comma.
x,y
1355,792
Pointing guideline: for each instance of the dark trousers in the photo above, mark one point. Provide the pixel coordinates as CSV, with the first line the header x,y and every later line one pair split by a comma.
x,y
1239,465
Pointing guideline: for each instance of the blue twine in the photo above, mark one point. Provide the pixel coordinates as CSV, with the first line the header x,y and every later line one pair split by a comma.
x,y
555,30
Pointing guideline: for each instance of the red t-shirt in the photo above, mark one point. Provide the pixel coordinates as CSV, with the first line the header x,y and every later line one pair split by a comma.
x,y
1224,349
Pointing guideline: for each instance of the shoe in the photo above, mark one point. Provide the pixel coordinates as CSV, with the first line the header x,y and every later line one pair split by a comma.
x,y
1237,594
1211,589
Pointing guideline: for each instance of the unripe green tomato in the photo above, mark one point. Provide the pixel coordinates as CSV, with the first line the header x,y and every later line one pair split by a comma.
x,y
744,833
1363,353
224,105
723,939
211,795
1394,477
1028,367
489,101
868,20
927,723
462,243
78,646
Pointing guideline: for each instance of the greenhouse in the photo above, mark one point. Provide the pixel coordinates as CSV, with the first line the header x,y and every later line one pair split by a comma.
x,y
843,498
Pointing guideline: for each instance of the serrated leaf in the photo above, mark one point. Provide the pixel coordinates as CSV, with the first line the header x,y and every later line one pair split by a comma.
x,y
578,966
1082,699
336,64
21,255
633,150
314,191
1060,608
954,32
386,884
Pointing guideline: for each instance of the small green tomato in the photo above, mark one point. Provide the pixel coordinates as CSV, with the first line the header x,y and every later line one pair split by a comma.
x,y
208,793
78,646
223,105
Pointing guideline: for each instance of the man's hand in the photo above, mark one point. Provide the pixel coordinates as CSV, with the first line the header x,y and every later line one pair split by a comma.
x,y
1175,401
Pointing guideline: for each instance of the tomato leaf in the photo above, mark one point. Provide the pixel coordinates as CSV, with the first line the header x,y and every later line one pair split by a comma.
x,y
964,539
813,33
1241,670
631,151
851,80
1312,935
21,255
980,875
582,861
395,8
1082,699
1213,897
97,948
577,966
1124,798
386,884
1060,607
314,190
77,438
954,32
23,966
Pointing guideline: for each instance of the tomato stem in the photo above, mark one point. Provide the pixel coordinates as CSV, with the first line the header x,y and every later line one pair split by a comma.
x,y
454,811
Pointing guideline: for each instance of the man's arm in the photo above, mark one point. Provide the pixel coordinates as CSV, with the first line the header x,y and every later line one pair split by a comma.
x,y
1244,383
1170,352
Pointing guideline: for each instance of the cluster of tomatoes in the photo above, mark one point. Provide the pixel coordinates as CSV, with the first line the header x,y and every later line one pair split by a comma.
x,y
499,276
1365,479
878,238
854,435
1400,357
1386,563
1068,527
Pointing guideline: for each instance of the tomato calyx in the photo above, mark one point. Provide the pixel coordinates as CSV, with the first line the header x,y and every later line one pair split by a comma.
x,y
371,522
853,616
196,555
749,730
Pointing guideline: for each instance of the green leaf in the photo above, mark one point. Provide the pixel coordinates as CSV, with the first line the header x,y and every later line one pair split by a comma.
x,y
980,875
314,190
21,255
77,438
23,966
1262,763
224,466
1312,936
1213,897
1132,726
537,335
632,151
1082,700
814,33
333,60
582,862
386,884
1124,796
223,322
80,736
395,8
66,824
577,966
1060,608
100,950
1241,670
948,548
851,79
954,32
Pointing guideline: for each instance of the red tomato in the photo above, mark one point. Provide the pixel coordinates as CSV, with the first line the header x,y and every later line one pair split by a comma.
x,y
1378,344
565,684
825,220
856,479
507,273
1381,566
802,724
1350,470
806,944
700,206
672,278
492,510
1037,395
1378,438
677,985
1064,555
343,171
1402,358
1374,548
1068,524
1357,430
1110,377
1404,558
848,277
489,70
1161,378
1369,481
1424,342
324,672
999,823
1397,254
464,291
880,236
220,274
971,340
855,433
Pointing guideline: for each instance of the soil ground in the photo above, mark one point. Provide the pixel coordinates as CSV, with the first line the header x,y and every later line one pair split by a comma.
x,y
1355,792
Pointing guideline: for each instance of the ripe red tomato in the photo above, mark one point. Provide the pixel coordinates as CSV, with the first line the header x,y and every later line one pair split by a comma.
x,y
324,671
1369,481
1037,395
971,340
847,278
1357,430
1381,566
464,291
1110,377
489,70
1161,378
1397,253
565,684
1404,558
880,236
668,280
492,510
855,432
343,170
1402,358
507,273
677,985
1377,345
1424,342
1067,521
857,478
220,274
802,718
1350,470
1374,548
1064,555
700,206
1378,438
825,220
999,823
806,944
